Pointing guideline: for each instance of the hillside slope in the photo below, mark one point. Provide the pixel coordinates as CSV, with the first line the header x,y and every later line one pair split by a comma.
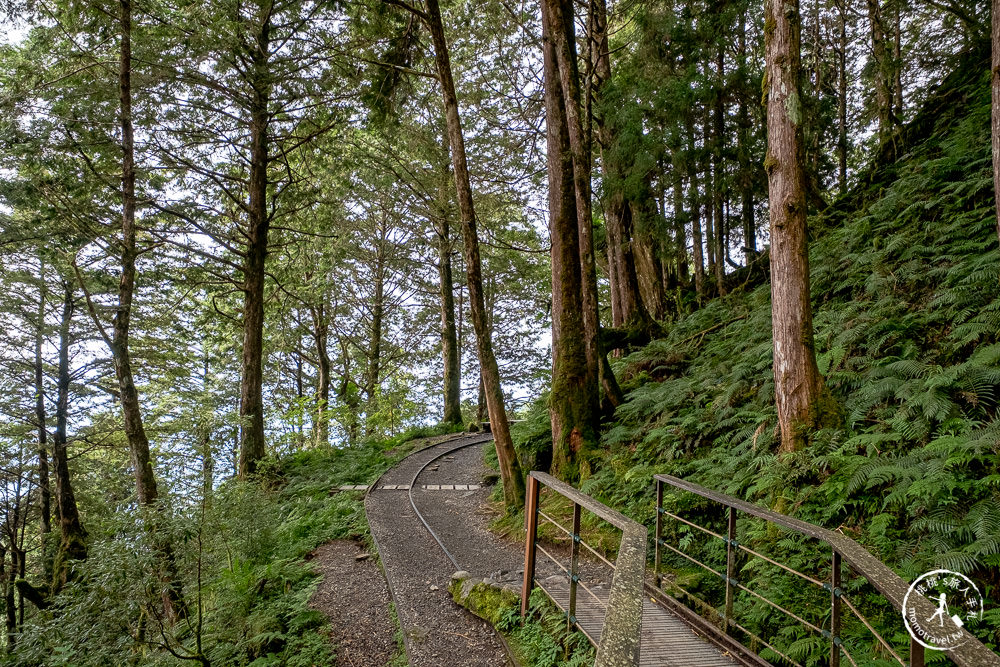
x,y
905,288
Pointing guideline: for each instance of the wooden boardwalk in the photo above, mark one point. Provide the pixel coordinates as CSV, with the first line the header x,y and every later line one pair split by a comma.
x,y
666,640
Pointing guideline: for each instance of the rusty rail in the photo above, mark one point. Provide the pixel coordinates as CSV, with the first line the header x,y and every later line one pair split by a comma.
x,y
972,653
619,641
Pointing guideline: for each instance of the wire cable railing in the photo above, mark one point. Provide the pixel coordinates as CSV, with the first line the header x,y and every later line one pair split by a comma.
x,y
971,653
618,643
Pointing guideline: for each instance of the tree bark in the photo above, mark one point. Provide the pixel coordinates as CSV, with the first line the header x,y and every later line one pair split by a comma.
x,y
718,141
798,384
581,434
73,537
694,203
449,337
897,64
145,482
628,308
252,445
995,124
842,99
10,605
743,149
510,469
571,409
321,339
883,92
44,491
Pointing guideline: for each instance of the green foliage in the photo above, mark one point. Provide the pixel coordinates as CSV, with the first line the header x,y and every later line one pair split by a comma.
x,y
249,540
906,329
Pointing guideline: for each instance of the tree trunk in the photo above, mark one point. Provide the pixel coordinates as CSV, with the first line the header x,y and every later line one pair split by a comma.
x,y
73,537
798,384
680,219
842,99
649,267
897,64
707,196
743,149
995,125
10,606
628,307
452,377
718,141
321,339
145,482
571,409
580,435
510,469
252,446
44,491
694,199
135,433
374,371
883,92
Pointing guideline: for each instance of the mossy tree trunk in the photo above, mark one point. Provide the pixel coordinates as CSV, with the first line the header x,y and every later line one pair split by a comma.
x,y
575,406
73,537
799,387
882,72
572,406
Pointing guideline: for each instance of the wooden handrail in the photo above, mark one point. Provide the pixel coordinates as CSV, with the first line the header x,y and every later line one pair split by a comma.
x,y
971,653
620,636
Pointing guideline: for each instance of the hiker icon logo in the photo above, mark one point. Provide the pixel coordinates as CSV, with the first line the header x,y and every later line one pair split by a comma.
x,y
953,600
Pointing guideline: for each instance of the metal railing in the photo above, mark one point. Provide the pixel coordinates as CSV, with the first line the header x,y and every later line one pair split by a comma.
x,y
971,653
619,641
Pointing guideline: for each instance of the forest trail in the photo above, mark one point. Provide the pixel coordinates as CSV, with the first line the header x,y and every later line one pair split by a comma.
x,y
445,482
436,631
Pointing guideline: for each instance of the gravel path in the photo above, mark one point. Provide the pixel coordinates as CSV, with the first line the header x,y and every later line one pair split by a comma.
x,y
353,595
436,631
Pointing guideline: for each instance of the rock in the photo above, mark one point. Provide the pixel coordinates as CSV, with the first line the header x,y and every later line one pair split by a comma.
x,y
434,588
362,557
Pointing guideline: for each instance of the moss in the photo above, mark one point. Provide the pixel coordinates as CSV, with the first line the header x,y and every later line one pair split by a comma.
x,y
540,640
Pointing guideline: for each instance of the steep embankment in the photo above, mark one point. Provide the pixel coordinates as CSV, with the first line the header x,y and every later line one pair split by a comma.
x,y
907,316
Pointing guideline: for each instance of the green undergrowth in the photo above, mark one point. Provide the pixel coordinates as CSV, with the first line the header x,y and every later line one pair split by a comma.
x,y
907,334
244,554
541,639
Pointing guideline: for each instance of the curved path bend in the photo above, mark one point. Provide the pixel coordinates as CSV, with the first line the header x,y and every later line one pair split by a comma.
x,y
449,531
436,631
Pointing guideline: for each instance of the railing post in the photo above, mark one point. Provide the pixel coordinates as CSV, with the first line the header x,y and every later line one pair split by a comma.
x,y
658,537
573,562
916,653
730,568
835,610
531,528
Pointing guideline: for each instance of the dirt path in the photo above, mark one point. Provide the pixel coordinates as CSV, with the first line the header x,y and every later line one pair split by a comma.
x,y
436,631
354,596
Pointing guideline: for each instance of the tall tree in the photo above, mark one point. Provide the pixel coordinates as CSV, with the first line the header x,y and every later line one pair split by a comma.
x,y
572,407
995,84
510,469
881,71
799,386
73,536
452,377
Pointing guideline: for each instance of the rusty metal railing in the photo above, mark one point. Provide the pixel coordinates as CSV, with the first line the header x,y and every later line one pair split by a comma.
x,y
971,653
618,644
